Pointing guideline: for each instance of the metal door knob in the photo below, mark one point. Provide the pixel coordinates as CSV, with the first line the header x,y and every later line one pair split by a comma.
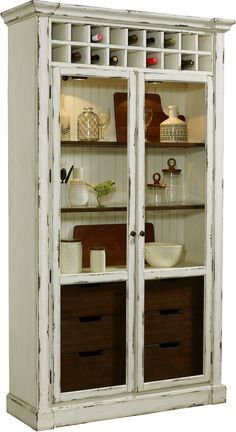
x,y
142,233
133,233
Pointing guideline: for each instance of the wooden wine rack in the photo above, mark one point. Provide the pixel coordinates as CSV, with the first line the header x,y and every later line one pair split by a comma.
x,y
67,37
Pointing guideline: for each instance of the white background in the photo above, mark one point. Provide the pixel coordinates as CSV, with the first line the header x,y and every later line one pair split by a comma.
x,y
196,419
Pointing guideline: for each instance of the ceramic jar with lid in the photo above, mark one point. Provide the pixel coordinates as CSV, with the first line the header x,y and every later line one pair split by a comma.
x,y
156,191
71,256
173,178
97,259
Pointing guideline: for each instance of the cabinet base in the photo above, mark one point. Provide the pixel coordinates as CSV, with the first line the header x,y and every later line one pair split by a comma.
x,y
65,414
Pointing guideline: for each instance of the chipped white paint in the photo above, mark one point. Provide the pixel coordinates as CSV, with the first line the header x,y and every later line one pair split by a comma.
x,y
44,354
23,200
91,14
218,209
40,404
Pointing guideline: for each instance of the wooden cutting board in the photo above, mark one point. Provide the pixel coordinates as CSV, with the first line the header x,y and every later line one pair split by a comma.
x,y
110,236
152,101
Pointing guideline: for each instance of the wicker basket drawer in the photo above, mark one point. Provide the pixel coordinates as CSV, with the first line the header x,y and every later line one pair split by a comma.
x,y
93,299
92,333
173,360
94,369
171,325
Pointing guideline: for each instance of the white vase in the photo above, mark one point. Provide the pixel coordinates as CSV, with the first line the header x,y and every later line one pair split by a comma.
x,y
78,190
65,121
173,129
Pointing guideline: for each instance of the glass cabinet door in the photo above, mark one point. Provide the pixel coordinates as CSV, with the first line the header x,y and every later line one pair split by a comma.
x,y
174,230
94,199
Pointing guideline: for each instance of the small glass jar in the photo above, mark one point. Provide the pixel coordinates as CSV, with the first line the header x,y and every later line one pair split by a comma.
x,y
173,178
156,191
88,125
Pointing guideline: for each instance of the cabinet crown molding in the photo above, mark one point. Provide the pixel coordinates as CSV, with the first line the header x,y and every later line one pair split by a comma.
x,y
89,13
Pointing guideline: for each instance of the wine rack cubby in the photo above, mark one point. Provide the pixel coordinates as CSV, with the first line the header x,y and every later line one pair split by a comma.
x,y
132,47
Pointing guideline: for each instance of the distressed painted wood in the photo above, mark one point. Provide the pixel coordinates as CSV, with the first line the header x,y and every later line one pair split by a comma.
x,y
89,14
35,394
23,200
218,209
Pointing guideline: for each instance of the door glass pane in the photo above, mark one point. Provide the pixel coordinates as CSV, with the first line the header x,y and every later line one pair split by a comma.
x,y
94,199
175,201
93,323
93,221
175,166
173,328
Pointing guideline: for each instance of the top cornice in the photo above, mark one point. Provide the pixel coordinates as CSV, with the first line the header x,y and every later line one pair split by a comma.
x,y
130,17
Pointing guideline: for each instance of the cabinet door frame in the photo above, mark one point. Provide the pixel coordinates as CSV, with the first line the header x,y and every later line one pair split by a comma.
x,y
207,269
127,275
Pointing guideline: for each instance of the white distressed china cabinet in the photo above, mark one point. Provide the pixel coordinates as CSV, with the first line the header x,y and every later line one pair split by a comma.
x,y
132,339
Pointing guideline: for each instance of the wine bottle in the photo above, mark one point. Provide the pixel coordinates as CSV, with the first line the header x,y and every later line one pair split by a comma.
x,y
169,42
150,41
113,60
185,64
98,37
75,56
95,58
132,39
151,61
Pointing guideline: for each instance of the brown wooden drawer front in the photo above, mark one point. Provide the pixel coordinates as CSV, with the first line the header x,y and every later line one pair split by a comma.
x,y
171,325
92,333
93,299
92,370
172,360
174,293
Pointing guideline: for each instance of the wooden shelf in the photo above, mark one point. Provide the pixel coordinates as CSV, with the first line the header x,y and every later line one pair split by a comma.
x,y
180,206
93,144
92,209
177,206
124,144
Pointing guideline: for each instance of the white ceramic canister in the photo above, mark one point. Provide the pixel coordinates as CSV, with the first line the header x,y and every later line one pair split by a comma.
x,y
78,194
97,260
71,256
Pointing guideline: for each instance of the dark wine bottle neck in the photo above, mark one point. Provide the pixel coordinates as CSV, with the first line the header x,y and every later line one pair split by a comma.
x,y
150,40
132,39
187,63
95,58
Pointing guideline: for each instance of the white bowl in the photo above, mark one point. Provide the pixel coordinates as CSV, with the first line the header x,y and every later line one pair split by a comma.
x,y
162,254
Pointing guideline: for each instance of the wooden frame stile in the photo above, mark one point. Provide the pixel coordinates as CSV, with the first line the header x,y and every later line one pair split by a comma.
x,y
140,240
44,360
56,232
127,276
219,391
207,347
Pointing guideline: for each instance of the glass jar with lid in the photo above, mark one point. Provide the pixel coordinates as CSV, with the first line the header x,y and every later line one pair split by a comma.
x,y
173,178
156,191
88,125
